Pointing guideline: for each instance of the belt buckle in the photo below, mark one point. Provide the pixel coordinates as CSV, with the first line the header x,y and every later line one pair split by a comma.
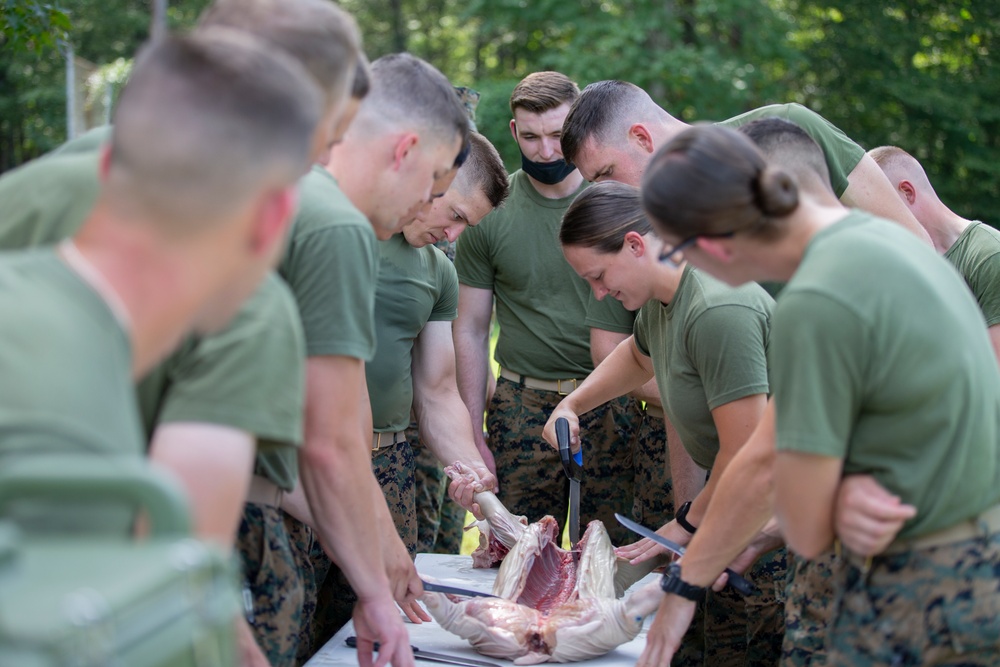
x,y
559,384
378,442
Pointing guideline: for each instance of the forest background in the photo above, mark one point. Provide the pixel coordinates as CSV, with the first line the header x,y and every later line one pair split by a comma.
x,y
920,74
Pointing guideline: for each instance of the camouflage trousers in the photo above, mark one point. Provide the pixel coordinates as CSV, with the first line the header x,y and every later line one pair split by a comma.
x,y
312,570
653,494
440,520
394,468
927,606
273,582
531,476
809,609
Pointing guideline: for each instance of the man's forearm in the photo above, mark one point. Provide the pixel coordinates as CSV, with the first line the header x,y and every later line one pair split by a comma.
x,y
445,427
471,353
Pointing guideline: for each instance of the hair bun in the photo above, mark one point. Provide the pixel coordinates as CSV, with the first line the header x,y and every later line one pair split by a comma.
x,y
777,193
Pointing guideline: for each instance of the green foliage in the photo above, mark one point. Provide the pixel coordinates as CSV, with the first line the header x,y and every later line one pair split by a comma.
x,y
29,25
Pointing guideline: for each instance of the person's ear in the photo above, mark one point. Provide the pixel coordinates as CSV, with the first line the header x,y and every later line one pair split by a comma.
x,y
635,243
719,248
104,162
404,145
513,129
639,133
274,218
907,192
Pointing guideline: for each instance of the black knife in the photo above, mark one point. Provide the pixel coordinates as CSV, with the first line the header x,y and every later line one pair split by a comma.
x,y
435,657
454,590
736,580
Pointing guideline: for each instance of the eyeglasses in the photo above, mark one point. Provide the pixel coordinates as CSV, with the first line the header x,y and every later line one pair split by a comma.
x,y
667,254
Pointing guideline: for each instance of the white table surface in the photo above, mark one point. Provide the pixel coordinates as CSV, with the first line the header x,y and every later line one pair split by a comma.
x,y
458,570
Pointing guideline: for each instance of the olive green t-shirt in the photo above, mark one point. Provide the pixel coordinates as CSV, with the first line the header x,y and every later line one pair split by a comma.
x,y
976,255
879,357
65,381
88,142
541,303
331,264
248,377
415,286
709,348
842,153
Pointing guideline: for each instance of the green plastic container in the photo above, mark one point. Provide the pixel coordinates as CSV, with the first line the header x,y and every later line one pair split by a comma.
x,y
79,601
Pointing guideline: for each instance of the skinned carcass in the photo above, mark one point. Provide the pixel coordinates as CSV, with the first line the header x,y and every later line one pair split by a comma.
x,y
553,605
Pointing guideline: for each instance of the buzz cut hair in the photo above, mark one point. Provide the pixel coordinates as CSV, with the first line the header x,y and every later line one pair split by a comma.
x,y
484,170
789,146
605,109
407,91
543,91
205,122
320,35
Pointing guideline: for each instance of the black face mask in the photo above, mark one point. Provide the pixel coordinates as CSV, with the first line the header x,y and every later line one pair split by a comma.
x,y
548,173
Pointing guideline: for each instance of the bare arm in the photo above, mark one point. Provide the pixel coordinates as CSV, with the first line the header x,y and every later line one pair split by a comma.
x,y
805,497
869,189
625,369
443,417
472,344
868,517
335,467
603,343
214,464
994,332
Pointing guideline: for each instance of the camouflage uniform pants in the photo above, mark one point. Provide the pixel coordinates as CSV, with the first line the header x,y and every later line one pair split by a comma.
x,y
653,499
271,575
440,520
809,608
531,477
394,468
303,542
931,606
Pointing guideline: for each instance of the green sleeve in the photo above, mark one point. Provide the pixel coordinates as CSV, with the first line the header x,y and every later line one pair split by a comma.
x,y
446,307
727,344
333,275
472,256
640,333
608,314
984,282
249,377
817,354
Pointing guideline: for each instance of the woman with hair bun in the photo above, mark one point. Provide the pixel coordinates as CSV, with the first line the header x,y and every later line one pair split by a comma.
x,y
879,363
706,344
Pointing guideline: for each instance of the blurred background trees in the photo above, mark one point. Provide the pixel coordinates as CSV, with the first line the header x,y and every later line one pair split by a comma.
x,y
921,74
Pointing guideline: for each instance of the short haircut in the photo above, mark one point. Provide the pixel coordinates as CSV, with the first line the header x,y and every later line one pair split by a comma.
x,y
320,35
204,123
409,92
601,216
710,180
542,91
604,109
899,165
484,170
788,145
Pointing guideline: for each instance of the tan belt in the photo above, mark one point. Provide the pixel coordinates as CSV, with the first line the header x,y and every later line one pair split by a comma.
x,y
384,440
654,411
983,524
562,387
263,491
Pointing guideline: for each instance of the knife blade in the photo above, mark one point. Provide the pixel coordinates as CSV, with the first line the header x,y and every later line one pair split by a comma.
x,y
572,472
430,656
736,580
435,587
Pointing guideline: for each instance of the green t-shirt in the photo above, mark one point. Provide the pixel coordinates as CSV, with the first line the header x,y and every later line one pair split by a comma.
x,y
65,381
88,142
709,348
541,303
248,377
415,286
879,357
331,264
842,154
976,255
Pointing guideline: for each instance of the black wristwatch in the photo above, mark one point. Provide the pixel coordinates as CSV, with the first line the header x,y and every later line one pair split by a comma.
x,y
681,517
672,583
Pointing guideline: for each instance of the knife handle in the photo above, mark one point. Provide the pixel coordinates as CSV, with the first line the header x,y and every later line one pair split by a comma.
x,y
740,583
352,642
